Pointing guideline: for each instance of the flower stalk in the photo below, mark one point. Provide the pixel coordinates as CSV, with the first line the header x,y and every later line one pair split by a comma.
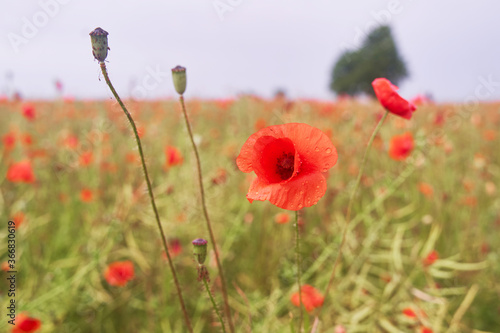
x,y
298,263
351,201
150,192
179,78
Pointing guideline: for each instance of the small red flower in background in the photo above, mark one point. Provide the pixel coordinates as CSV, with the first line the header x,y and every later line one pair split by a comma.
x,y
86,195
29,112
21,172
18,219
260,124
389,98
425,330
119,273
5,266
409,313
174,247
426,189
71,141
282,218
430,258
27,139
401,146
25,324
220,178
9,141
86,158
173,157
289,161
311,298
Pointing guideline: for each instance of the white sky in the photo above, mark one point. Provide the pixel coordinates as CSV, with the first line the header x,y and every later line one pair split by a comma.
x,y
258,46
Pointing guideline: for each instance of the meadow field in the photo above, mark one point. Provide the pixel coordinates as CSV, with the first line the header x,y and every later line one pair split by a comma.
x,y
421,251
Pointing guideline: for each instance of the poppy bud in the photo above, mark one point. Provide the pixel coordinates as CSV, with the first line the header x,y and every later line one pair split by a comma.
x,y
99,39
200,250
179,77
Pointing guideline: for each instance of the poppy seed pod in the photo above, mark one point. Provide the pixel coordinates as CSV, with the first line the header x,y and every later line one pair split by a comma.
x,y
200,250
179,77
99,39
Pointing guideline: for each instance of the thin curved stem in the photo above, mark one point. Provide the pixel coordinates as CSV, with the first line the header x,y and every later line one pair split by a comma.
x,y
150,191
214,305
298,262
351,201
207,218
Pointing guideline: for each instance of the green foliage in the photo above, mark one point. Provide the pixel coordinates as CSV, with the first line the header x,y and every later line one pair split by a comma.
x,y
377,57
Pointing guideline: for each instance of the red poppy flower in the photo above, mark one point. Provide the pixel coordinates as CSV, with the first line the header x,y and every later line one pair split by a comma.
x,y
5,266
29,111
289,161
18,219
173,157
27,139
174,247
311,298
119,273
282,218
9,141
25,324
71,141
21,172
86,195
389,98
431,258
86,158
425,330
401,146
409,313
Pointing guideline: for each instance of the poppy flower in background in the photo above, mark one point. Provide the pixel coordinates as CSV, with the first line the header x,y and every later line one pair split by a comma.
x,y
311,298
119,273
18,219
21,172
174,247
173,157
282,218
86,158
86,195
431,258
26,324
401,146
9,141
29,112
5,266
289,161
408,312
425,330
387,94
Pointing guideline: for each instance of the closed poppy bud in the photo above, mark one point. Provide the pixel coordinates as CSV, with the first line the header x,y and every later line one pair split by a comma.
x,y
179,77
200,250
99,39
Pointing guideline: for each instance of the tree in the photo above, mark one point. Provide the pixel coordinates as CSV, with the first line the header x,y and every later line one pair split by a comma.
x,y
377,57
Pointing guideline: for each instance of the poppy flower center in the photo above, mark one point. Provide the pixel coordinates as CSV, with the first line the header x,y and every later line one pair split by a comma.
x,y
285,165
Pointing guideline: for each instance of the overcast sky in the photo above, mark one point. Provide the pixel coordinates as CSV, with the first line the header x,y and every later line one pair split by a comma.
x,y
451,47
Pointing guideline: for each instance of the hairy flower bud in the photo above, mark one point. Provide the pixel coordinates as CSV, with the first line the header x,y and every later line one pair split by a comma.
x,y
99,39
179,77
200,250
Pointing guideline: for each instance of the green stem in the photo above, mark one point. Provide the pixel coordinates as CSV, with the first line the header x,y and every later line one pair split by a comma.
x,y
213,304
207,218
298,262
351,201
150,191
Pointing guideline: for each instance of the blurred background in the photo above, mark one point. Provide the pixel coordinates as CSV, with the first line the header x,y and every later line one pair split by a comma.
x,y
449,48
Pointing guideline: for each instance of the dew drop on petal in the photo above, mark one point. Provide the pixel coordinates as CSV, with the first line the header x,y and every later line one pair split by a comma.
x,y
324,170
328,150
316,149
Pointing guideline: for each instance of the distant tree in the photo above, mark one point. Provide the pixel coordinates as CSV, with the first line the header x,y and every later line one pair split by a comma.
x,y
377,57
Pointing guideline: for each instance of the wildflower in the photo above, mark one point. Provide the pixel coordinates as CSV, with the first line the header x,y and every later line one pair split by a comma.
x,y
408,312
401,146
282,218
430,258
5,266
29,112
311,298
9,141
21,172
86,158
426,189
25,324
289,161
173,157
27,139
174,247
389,98
119,273
425,330
18,219
86,195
